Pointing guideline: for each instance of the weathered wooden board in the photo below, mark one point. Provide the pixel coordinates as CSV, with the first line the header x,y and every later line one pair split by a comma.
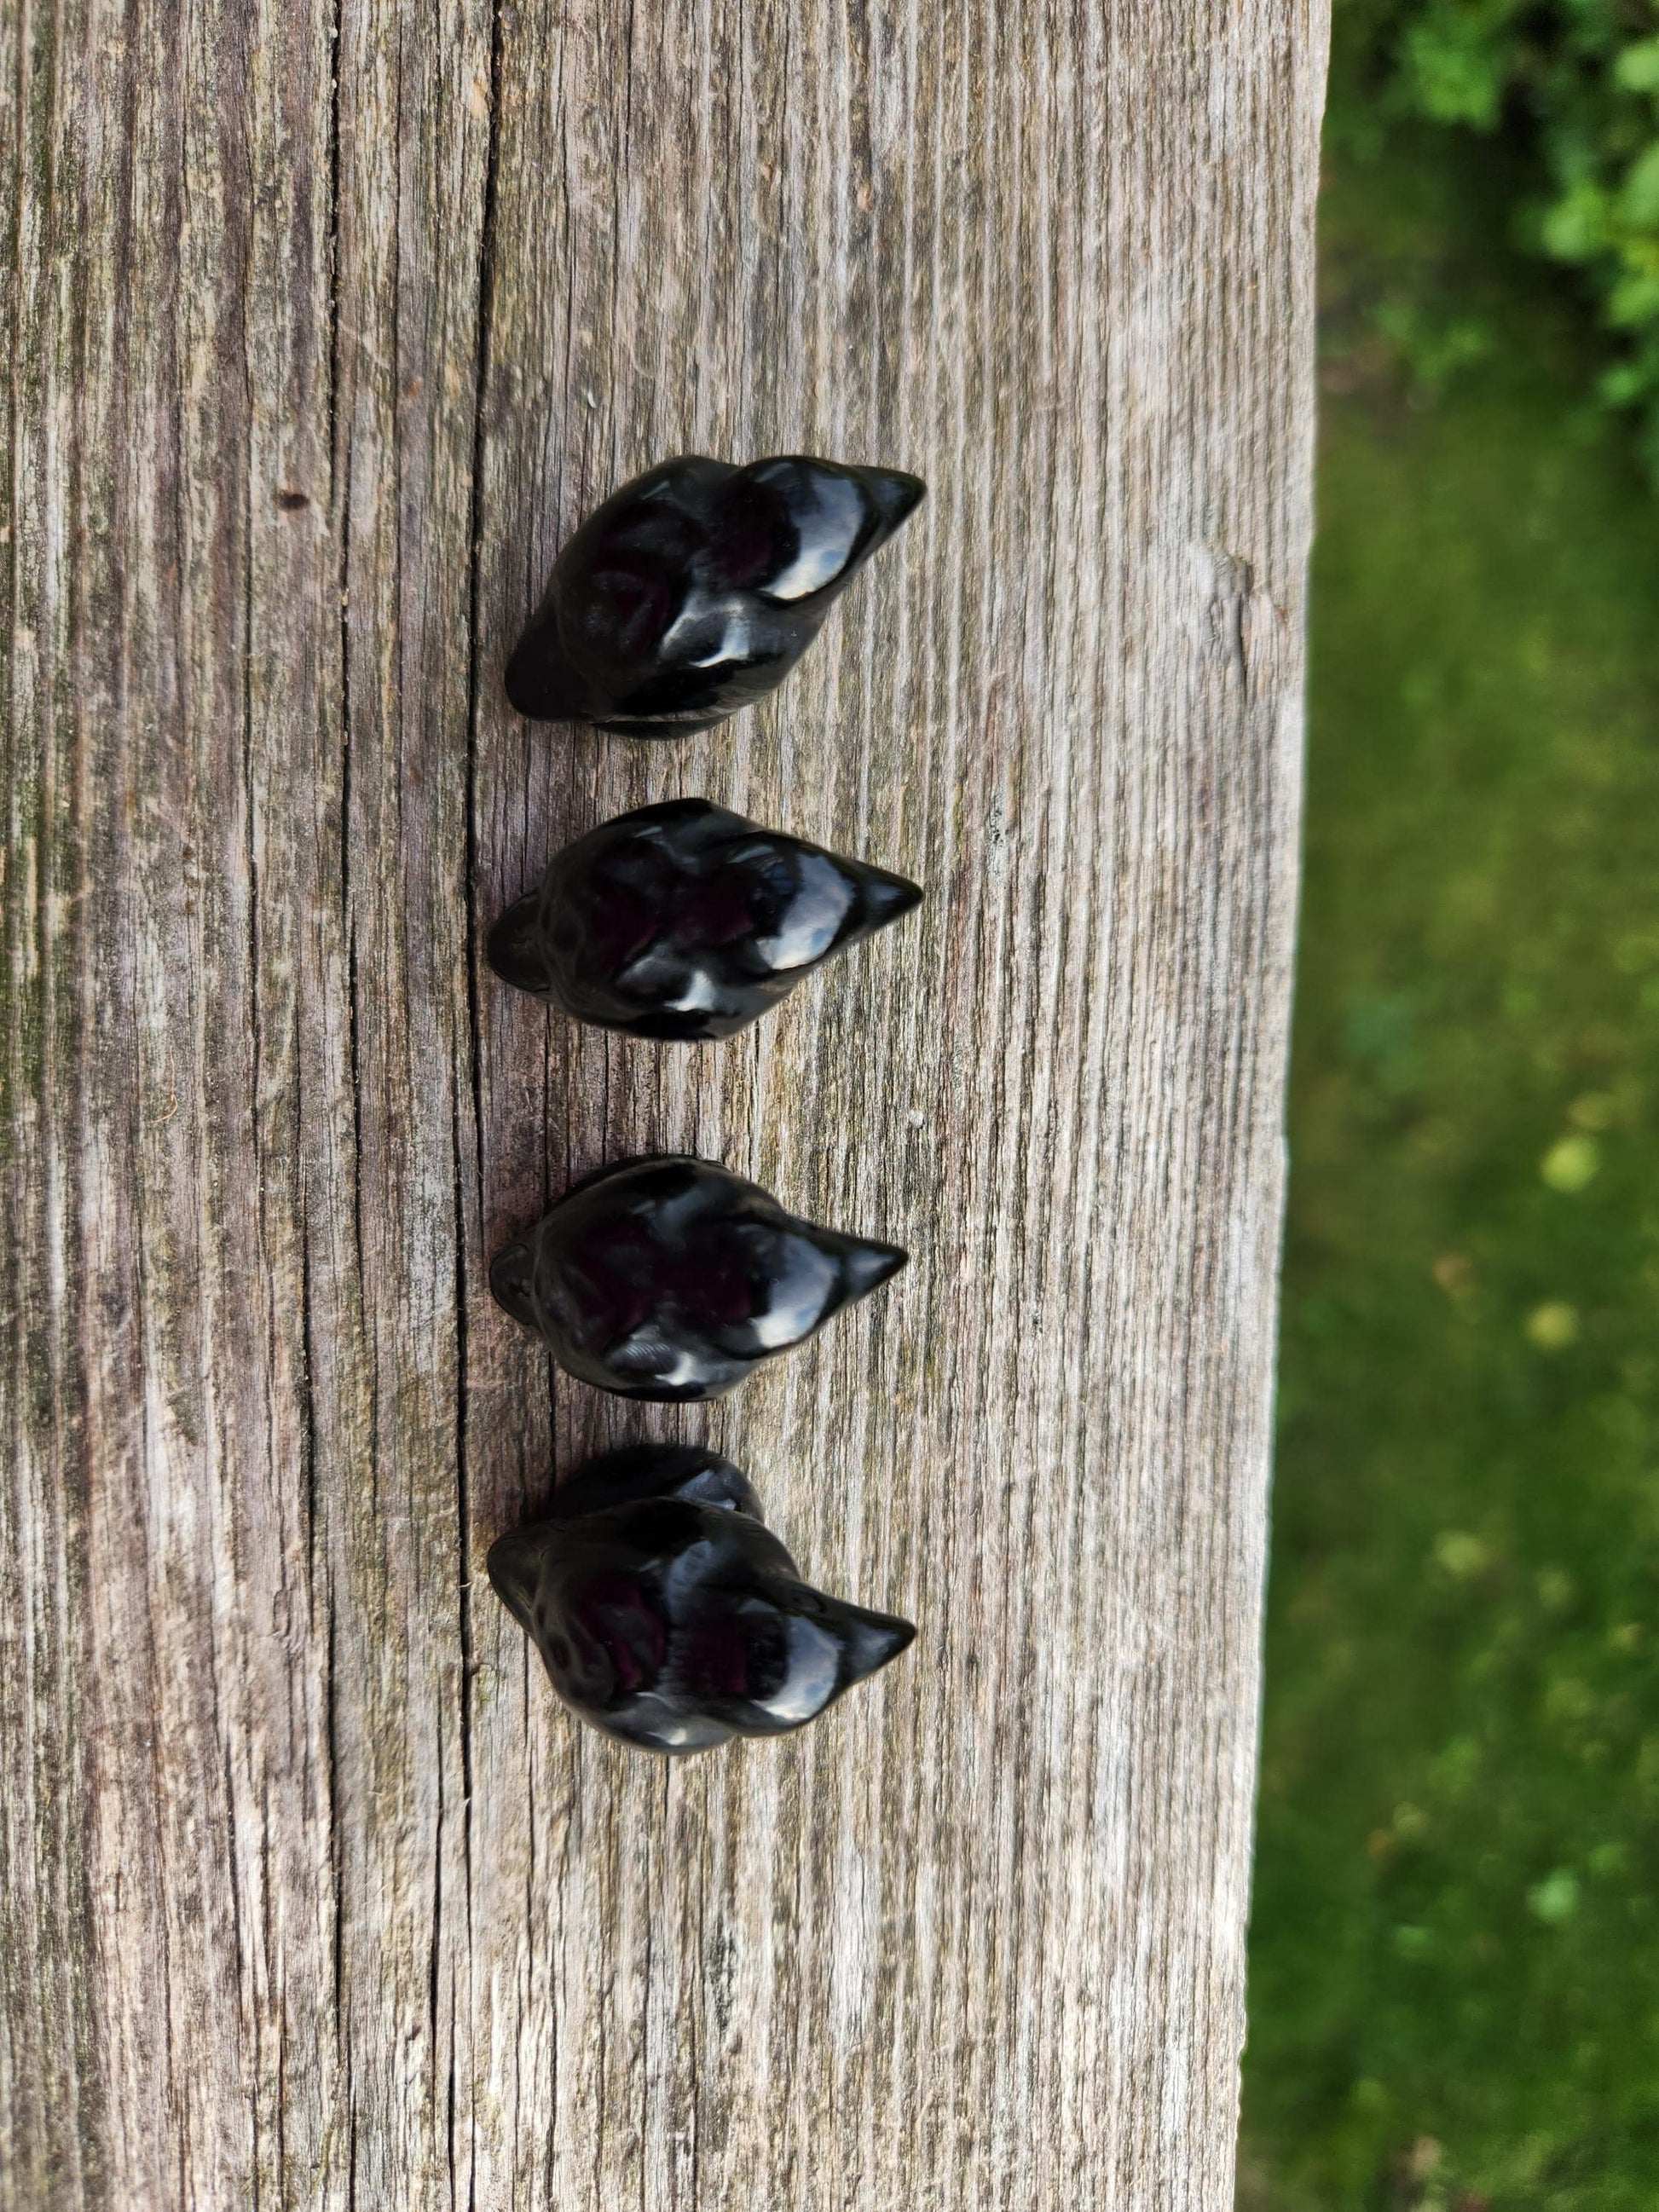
x,y
324,324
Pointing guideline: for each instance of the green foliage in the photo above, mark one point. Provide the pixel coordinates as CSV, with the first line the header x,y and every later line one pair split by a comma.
x,y
1454,1954
1578,82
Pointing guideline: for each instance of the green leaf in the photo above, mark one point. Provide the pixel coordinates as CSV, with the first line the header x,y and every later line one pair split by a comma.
x,y
1459,69
1637,69
1555,1899
1639,197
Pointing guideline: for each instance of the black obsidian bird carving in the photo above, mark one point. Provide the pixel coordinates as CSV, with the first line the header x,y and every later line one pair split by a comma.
x,y
687,921
672,1278
669,1614
696,588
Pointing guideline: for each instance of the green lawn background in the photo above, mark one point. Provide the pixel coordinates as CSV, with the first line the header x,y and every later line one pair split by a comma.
x,y
1455,1955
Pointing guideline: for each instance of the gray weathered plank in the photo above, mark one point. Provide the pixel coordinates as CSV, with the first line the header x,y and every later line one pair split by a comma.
x,y
324,324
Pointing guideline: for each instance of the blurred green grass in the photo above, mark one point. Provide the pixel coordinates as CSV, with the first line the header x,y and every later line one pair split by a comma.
x,y
1455,1951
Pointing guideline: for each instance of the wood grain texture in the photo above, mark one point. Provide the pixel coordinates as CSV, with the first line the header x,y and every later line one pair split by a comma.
x,y
324,323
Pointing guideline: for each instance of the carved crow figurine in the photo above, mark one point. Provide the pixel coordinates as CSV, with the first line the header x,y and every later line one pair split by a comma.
x,y
696,588
670,1616
687,921
672,1278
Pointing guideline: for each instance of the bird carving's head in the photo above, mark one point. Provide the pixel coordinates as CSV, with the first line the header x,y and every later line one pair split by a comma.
x,y
672,1278
696,588
685,921
670,1616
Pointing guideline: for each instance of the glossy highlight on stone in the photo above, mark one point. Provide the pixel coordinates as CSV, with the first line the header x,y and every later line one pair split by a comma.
x,y
671,1278
670,1616
696,588
686,920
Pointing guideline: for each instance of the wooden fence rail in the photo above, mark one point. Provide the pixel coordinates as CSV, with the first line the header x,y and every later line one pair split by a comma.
x,y
326,320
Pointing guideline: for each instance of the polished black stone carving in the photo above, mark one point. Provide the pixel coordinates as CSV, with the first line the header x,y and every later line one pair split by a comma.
x,y
671,1278
670,1616
687,921
696,588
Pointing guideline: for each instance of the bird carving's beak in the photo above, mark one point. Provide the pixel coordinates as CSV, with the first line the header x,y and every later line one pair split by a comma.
x,y
893,494
864,1266
870,1639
